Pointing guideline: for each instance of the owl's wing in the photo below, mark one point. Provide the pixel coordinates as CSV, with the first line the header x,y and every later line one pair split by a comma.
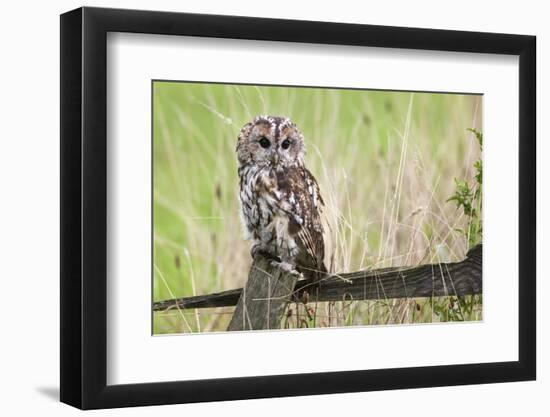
x,y
300,198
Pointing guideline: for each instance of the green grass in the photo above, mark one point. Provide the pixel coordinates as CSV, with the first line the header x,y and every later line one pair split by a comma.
x,y
386,163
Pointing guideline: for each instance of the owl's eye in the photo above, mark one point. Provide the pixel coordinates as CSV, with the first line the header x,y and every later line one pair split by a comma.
x,y
285,144
265,143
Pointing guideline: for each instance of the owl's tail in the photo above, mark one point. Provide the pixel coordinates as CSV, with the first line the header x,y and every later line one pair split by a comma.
x,y
315,274
322,272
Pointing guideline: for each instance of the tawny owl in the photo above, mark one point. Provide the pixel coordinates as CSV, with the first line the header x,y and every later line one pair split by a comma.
x,y
280,199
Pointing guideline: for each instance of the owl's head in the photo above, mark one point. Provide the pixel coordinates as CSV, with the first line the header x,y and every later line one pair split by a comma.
x,y
270,140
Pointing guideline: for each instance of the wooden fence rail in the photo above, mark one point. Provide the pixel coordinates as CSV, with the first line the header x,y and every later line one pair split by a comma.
x,y
262,302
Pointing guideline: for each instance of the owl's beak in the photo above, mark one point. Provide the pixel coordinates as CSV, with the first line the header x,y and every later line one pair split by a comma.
x,y
275,158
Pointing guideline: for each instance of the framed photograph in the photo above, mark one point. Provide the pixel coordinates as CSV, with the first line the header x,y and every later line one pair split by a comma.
x,y
255,208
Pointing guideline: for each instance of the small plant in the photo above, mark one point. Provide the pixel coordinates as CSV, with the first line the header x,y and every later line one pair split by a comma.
x,y
468,196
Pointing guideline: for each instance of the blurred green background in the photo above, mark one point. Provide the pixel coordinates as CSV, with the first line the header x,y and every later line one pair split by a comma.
x,y
386,163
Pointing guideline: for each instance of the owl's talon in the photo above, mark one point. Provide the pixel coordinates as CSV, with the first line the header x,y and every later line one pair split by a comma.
x,y
259,249
287,267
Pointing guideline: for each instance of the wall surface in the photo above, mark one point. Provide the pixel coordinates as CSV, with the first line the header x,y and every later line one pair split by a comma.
x,y
29,178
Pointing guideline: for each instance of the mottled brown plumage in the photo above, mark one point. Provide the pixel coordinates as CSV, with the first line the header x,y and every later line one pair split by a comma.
x,y
280,199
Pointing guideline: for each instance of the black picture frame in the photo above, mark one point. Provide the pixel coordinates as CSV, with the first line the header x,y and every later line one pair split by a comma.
x,y
84,207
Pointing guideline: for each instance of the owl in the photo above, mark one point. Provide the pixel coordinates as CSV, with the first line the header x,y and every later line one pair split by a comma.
x,y
280,199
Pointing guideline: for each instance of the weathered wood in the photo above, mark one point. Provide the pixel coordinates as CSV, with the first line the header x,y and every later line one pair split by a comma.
x,y
263,300
432,280
218,299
